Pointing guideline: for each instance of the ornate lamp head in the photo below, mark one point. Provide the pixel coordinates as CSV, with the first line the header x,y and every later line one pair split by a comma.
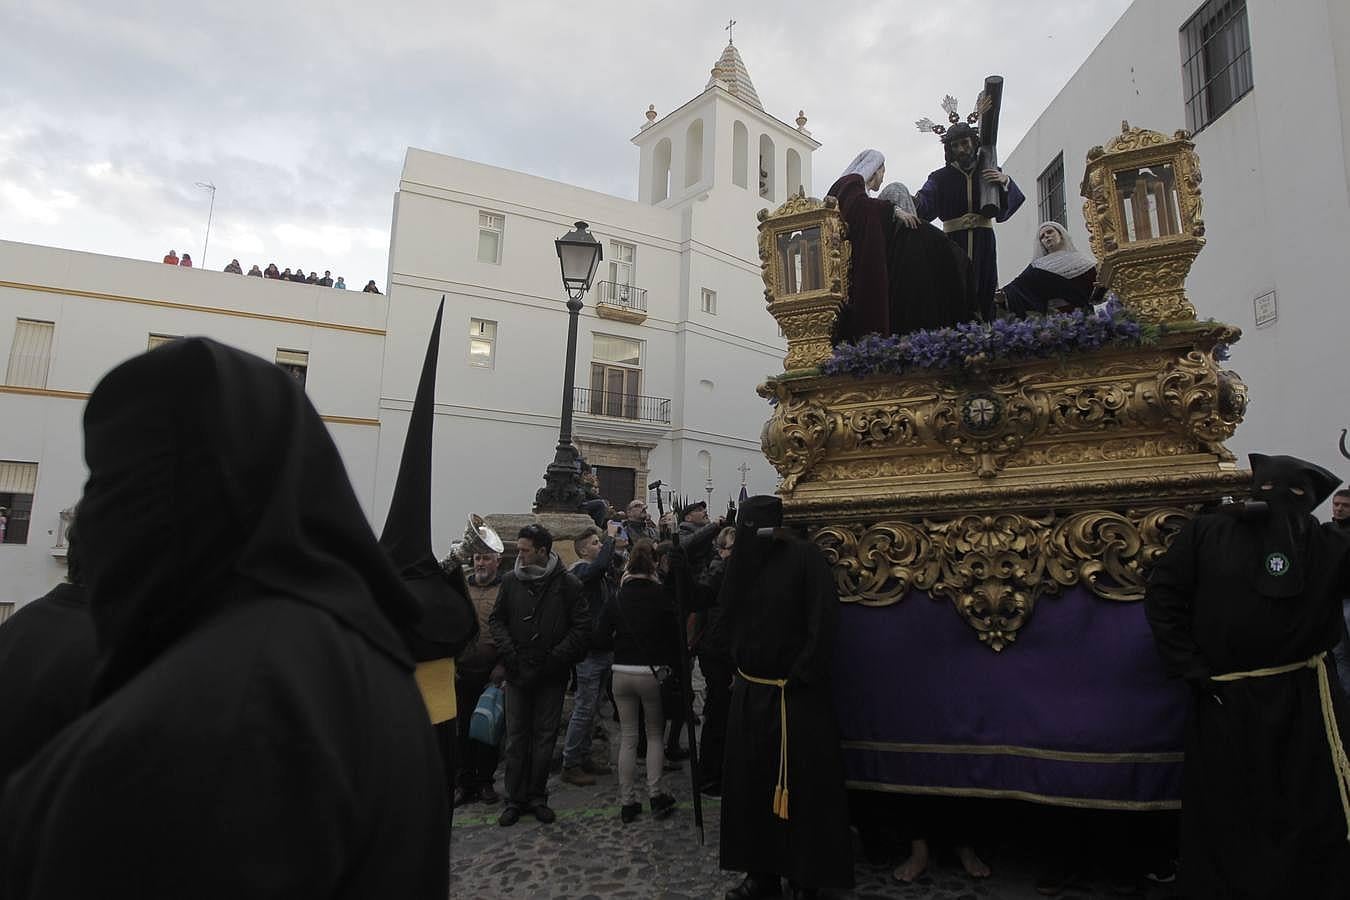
x,y
1143,211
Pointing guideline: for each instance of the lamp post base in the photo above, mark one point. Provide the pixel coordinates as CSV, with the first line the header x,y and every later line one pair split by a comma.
x,y
562,490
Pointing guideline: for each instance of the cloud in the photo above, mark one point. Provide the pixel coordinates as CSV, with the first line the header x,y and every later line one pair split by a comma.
x,y
301,112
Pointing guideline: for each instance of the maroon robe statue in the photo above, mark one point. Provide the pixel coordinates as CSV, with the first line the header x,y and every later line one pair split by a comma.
x,y
868,221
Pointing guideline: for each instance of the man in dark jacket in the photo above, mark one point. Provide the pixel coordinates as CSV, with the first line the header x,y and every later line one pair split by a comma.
x,y
541,627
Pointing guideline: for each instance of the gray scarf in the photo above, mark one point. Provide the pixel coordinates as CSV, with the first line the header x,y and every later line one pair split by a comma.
x,y
534,573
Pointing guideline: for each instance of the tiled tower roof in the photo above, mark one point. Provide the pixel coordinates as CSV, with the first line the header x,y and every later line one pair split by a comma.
x,y
730,69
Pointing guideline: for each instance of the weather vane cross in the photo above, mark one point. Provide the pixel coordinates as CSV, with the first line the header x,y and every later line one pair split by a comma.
x,y
745,468
730,22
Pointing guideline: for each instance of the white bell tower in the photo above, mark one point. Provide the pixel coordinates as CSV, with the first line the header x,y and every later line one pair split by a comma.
x,y
723,141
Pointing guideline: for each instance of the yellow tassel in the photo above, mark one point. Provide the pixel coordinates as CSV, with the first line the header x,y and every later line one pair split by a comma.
x,y
781,806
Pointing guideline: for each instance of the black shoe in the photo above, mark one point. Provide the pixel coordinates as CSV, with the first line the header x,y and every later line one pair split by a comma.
x,y
662,805
487,795
755,886
544,814
677,753
509,816
629,811
710,788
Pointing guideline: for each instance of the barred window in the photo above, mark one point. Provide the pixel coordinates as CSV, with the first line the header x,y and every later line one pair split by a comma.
x,y
1050,185
1216,53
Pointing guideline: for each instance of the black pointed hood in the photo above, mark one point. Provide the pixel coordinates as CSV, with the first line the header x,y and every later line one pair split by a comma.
x,y
448,619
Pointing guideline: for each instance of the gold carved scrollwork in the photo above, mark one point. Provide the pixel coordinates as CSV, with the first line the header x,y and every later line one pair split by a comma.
x,y
1110,552
993,572
877,566
994,568
794,438
1208,403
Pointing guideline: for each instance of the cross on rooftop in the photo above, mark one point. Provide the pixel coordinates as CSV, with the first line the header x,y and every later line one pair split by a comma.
x,y
745,469
730,23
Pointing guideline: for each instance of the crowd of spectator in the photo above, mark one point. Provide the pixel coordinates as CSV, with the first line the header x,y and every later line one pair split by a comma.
x,y
298,275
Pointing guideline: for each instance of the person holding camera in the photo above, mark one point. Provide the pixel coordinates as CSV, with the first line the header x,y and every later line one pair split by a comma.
x,y
638,624
595,556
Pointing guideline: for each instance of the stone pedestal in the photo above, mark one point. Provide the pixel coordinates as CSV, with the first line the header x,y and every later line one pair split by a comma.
x,y
565,527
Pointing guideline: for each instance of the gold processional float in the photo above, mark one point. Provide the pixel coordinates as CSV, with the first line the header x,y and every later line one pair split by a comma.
x,y
1002,486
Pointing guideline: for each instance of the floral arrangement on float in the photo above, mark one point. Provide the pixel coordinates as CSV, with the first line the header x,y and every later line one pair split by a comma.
x,y
1050,335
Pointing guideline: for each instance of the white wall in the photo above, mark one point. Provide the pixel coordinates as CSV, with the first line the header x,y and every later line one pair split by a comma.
x,y
1276,204
104,309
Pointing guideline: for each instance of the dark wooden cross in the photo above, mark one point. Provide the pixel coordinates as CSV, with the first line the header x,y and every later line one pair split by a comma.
x,y
730,22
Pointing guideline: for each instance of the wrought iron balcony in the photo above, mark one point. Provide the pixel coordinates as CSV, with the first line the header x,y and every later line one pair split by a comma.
x,y
615,405
615,300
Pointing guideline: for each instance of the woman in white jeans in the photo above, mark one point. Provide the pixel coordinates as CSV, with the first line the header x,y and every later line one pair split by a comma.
x,y
638,623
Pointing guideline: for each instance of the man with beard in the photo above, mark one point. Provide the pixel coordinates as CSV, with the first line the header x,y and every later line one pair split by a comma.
x,y
541,626
474,669
952,194
1245,606
784,809
254,729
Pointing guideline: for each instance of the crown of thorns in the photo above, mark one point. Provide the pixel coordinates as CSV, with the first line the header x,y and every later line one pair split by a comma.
x,y
982,105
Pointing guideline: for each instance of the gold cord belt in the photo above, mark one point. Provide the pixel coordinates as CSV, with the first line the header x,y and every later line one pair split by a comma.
x,y
1338,758
967,222
780,791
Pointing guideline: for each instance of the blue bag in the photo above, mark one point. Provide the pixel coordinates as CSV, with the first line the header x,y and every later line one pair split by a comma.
x,y
488,723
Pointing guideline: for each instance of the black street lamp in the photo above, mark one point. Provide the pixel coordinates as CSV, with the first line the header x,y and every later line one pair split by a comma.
x,y
579,255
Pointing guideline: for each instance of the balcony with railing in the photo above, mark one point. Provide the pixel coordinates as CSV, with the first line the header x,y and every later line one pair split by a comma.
x,y
616,300
615,405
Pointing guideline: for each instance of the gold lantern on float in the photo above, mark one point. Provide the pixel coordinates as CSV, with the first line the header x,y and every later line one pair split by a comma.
x,y
805,260
1143,210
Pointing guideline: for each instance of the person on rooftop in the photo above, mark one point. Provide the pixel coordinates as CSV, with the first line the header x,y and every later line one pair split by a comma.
x,y
171,259
370,287
340,284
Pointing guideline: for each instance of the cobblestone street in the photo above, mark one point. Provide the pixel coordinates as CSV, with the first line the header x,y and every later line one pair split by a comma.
x,y
588,853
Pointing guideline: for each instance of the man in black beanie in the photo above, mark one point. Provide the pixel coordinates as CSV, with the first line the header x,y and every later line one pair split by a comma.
x,y
1246,605
784,809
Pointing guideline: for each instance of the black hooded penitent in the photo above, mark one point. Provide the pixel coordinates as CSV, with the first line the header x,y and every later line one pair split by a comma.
x,y
448,621
255,730
1246,607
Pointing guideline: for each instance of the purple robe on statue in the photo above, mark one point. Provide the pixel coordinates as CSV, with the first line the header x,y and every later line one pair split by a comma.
x,y
951,193
868,221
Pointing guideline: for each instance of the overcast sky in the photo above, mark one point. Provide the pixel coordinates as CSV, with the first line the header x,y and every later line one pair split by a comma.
x,y
300,112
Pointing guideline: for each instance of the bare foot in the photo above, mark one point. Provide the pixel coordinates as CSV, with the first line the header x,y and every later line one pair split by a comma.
x,y
974,866
910,870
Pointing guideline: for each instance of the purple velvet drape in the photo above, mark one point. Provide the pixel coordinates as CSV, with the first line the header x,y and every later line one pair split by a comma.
x,y
1077,711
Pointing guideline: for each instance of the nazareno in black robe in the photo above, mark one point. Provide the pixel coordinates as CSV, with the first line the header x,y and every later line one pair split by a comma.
x,y
1261,811
256,730
867,221
781,616
47,662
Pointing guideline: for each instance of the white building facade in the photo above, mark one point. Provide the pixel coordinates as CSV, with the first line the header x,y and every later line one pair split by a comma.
x,y
1265,87
672,341
673,337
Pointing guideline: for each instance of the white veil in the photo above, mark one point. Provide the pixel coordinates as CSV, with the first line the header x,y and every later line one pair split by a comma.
x,y
1067,261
